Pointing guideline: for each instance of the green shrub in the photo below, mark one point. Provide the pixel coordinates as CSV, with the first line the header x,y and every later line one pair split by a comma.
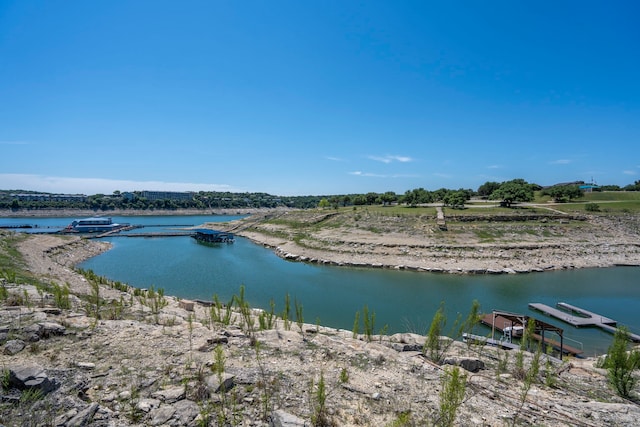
x,y
621,363
452,392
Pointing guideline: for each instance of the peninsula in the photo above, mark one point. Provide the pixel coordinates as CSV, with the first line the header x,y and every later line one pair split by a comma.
x,y
480,240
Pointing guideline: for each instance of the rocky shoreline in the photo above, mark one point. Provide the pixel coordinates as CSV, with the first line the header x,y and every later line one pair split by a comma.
x,y
597,241
447,268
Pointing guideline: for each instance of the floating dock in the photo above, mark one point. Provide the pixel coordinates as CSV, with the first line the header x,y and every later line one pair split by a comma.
x,y
580,317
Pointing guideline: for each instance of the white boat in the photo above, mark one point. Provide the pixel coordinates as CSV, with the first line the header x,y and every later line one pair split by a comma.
x,y
93,225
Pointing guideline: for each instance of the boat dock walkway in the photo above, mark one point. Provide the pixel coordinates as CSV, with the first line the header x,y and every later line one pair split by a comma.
x,y
505,345
175,233
182,231
580,317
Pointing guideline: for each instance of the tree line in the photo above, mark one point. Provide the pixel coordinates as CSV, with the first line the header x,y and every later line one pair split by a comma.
x,y
507,192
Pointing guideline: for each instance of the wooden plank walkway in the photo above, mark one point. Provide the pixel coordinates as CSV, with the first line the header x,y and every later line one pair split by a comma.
x,y
158,234
500,322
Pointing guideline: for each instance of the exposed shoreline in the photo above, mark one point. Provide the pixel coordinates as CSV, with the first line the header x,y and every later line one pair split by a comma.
x,y
598,243
595,243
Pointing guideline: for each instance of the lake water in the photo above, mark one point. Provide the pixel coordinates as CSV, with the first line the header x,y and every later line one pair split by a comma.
x,y
332,295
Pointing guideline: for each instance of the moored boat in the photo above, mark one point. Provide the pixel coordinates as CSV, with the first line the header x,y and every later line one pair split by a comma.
x,y
93,225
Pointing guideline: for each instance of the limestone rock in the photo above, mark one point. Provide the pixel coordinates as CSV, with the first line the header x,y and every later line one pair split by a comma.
x,y
31,377
186,411
84,417
280,418
215,386
162,415
13,347
471,365
146,405
170,395
48,329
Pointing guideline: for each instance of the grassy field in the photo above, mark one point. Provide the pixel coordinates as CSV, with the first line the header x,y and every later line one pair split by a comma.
x,y
613,202
609,202
12,265
617,196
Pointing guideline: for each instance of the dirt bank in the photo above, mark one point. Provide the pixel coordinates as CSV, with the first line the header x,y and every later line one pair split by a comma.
x,y
417,243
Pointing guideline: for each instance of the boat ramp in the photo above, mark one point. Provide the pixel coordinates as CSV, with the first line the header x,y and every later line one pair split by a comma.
x,y
580,317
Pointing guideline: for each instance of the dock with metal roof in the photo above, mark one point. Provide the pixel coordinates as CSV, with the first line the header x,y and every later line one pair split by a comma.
x,y
508,323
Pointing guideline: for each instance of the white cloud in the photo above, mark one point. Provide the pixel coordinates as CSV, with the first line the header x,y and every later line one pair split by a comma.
x,y
367,174
57,184
376,175
628,172
560,162
494,167
391,158
335,159
14,143
442,175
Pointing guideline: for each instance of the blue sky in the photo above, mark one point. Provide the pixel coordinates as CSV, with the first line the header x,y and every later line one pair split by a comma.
x,y
316,97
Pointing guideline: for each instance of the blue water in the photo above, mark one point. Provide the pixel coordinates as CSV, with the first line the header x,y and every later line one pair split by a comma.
x,y
331,295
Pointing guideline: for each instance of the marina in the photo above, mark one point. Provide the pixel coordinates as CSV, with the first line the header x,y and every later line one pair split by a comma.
x,y
100,227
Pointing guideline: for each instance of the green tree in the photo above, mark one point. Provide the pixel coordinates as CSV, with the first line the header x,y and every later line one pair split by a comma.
x,y
620,363
410,198
416,196
455,199
562,193
486,189
388,198
517,190
440,194
632,187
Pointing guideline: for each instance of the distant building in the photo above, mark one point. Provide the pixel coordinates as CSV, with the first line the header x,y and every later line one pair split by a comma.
x,y
46,197
588,188
167,195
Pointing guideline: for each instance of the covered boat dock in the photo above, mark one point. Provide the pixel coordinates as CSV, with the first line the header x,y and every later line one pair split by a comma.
x,y
206,235
513,325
